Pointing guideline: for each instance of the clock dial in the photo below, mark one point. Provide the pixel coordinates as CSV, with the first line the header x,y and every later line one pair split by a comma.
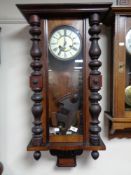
x,y
65,43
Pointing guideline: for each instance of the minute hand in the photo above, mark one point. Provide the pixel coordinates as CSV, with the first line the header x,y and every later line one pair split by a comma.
x,y
64,41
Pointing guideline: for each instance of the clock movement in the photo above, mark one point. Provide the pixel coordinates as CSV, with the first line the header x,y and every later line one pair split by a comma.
x,y
65,79
120,113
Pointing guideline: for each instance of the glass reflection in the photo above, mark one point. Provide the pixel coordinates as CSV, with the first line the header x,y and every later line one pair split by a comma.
x,y
65,96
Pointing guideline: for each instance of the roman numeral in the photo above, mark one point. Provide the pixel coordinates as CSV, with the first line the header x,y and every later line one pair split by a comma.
x,y
71,53
55,37
59,52
65,55
74,48
75,43
53,43
70,33
65,32
60,33
55,49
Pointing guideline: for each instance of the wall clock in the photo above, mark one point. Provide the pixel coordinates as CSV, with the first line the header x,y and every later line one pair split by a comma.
x,y
65,79
119,114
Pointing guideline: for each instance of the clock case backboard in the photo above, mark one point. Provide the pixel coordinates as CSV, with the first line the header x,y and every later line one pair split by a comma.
x,y
44,18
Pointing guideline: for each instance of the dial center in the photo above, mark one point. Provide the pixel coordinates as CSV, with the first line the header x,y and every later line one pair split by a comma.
x,y
65,43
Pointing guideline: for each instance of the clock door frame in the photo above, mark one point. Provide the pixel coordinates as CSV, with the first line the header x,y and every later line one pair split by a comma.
x,y
37,16
79,25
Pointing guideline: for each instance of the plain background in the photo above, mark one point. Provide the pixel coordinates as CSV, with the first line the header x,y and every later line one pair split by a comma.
x,y
15,104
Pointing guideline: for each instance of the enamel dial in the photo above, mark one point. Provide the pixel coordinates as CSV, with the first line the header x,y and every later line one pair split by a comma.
x,y
65,43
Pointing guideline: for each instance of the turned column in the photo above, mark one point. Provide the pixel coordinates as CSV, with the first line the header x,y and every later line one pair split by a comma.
x,y
94,81
36,83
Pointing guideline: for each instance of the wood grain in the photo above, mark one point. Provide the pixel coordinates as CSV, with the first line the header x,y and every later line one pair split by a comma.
x,y
120,118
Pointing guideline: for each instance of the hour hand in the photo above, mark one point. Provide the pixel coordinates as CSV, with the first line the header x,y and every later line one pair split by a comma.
x,y
62,48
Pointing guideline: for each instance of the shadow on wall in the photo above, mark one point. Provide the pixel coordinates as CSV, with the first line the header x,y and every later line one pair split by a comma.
x,y
106,32
22,98
25,70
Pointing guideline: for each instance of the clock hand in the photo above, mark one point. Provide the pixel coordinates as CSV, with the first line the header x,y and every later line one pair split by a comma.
x,y
65,44
72,47
62,48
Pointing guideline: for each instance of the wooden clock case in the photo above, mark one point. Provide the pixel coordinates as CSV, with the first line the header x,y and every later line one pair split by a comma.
x,y
43,18
119,116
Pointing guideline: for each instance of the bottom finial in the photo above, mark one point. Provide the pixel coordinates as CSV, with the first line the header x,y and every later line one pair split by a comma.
x,y
95,154
37,155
